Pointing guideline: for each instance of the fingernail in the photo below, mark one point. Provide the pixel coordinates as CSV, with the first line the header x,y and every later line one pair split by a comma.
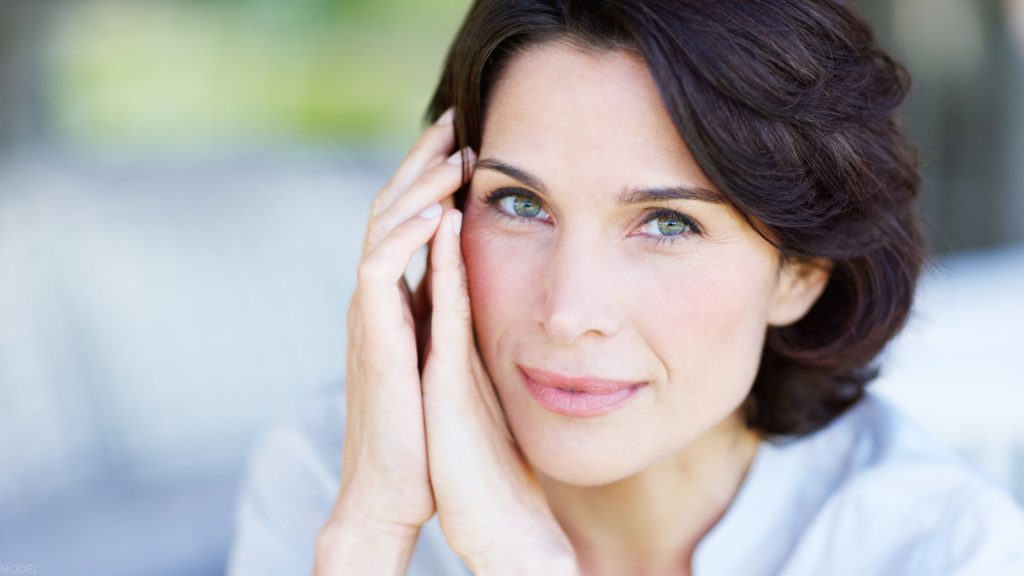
x,y
455,159
447,117
457,223
432,212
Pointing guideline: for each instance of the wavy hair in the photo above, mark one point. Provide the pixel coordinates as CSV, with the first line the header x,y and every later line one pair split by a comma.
x,y
790,108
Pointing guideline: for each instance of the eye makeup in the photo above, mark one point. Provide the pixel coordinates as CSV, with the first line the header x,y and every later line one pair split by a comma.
x,y
520,207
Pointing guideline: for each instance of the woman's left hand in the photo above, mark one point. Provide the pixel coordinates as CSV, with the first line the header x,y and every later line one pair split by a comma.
x,y
490,505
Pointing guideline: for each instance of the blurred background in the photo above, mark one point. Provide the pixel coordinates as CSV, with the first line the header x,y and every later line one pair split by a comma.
x,y
183,190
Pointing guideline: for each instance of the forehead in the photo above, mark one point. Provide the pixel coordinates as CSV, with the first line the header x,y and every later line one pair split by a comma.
x,y
587,118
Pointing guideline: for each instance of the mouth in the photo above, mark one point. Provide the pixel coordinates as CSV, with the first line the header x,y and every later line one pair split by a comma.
x,y
577,396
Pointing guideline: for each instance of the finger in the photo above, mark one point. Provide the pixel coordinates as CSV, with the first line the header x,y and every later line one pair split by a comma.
x,y
380,271
456,430
430,148
434,162
431,187
451,325
451,320
448,202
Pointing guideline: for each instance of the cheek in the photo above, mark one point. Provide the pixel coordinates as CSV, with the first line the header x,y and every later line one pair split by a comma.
x,y
499,275
708,326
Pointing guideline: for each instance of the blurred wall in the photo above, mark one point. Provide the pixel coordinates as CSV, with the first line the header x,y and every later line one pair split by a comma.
x,y
965,113
21,46
171,78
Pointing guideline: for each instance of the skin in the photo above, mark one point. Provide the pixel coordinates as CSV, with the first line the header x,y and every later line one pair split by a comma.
x,y
438,420
581,288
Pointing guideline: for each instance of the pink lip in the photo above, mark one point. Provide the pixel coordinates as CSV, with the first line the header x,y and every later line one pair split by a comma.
x,y
579,396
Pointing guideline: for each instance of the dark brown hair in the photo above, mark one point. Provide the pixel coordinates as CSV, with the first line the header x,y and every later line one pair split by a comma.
x,y
789,107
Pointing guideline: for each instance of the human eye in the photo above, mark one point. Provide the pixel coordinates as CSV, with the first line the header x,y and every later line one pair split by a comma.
x,y
667,227
516,204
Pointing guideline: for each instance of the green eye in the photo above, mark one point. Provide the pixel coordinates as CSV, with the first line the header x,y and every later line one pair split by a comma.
x,y
671,226
517,204
524,207
668,227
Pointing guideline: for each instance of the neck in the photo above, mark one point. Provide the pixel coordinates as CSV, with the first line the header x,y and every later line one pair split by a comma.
x,y
650,523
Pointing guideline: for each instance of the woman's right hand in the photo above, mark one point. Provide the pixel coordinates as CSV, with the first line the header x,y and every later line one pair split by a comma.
x,y
385,482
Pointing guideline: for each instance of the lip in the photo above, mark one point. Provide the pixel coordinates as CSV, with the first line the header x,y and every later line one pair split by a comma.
x,y
577,396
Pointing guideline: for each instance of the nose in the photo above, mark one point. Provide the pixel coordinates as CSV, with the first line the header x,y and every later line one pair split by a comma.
x,y
579,298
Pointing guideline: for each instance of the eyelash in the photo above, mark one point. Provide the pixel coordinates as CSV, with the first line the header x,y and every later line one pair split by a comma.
x,y
493,198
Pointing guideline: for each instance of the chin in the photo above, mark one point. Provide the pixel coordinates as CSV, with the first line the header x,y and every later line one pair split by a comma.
x,y
583,472
584,452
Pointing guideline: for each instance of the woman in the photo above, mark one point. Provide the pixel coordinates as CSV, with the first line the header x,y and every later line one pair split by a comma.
x,y
672,239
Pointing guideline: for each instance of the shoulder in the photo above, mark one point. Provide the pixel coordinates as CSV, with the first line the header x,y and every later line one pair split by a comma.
x,y
895,500
289,489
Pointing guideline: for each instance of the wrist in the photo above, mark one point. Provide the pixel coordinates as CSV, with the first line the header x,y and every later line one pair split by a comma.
x,y
357,539
561,564
353,546
362,503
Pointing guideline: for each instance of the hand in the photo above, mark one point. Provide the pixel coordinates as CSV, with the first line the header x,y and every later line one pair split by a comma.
x,y
491,507
385,480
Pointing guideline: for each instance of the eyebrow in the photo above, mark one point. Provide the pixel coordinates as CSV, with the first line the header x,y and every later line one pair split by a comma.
x,y
626,197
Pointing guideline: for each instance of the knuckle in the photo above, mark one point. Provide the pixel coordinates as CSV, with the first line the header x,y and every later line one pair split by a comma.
x,y
462,305
387,188
437,132
375,231
444,174
378,202
441,266
421,146
457,307
370,270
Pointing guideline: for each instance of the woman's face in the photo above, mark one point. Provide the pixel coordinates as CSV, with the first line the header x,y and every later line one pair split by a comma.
x,y
605,252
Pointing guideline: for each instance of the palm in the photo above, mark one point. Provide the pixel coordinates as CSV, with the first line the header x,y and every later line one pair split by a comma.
x,y
406,478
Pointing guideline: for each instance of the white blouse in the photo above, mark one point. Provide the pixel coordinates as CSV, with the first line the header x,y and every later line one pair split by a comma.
x,y
870,494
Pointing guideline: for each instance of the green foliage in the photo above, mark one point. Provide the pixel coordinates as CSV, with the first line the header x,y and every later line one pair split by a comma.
x,y
177,73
